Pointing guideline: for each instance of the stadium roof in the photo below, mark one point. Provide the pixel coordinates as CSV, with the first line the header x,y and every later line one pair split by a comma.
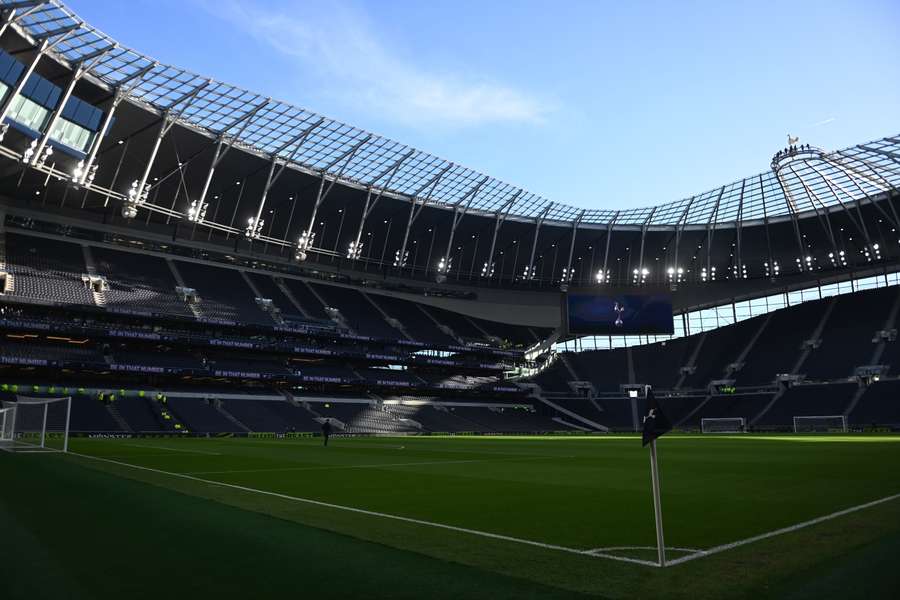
x,y
806,181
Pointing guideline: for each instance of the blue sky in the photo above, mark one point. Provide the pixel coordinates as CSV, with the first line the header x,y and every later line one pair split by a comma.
x,y
596,104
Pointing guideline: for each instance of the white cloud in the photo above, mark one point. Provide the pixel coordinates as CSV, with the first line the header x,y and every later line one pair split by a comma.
x,y
339,46
824,122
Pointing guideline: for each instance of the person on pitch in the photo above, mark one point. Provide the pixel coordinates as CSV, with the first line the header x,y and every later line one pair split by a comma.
x,y
326,430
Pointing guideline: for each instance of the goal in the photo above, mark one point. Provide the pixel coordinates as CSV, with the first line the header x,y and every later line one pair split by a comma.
x,y
820,423
723,425
35,424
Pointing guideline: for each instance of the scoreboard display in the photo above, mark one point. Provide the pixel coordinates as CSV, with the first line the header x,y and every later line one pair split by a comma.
x,y
620,314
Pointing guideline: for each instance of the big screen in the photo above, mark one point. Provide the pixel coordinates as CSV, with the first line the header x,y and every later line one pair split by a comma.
x,y
619,314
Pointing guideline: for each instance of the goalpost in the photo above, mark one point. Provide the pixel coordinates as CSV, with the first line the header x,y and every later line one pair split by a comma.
x,y
35,424
820,423
723,425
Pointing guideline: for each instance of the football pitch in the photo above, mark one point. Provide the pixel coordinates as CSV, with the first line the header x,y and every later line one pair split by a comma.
x,y
523,517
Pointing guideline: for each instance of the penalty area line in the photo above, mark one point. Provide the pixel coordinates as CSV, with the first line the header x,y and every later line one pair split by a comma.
x,y
372,513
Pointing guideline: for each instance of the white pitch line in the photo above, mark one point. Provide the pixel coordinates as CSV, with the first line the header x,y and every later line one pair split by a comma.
x,y
783,530
367,466
362,511
615,548
497,536
174,449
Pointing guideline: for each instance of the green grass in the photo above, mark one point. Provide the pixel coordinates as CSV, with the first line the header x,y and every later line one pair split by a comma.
x,y
197,537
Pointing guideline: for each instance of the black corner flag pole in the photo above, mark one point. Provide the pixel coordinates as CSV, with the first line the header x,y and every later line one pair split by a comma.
x,y
656,424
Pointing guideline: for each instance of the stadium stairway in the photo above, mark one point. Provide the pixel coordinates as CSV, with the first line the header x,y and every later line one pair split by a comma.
x,y
395,323
538,394
117,417
275,314
198,314
290,296
441,326
689,367
229,417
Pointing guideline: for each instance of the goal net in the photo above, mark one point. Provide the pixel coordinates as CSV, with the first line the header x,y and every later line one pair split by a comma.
x,y
723,425
820,423
35,424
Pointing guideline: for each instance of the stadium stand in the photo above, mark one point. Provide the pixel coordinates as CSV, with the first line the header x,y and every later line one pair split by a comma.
x,y
45,270
139,283
415,322
224,294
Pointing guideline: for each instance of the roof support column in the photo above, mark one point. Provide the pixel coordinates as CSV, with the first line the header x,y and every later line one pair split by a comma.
x,y
738,255
355,247
488,269
254,226
223,145
677,269
644,226
609,230
567,272
307,237
87,172
710,232
457,217
529,270
138,191
415,209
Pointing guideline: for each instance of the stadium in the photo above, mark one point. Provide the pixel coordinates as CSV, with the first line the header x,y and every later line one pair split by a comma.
x,y
196,281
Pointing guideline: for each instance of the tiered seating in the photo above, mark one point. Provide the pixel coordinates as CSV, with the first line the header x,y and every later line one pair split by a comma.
x,y
47,270
809,400
658,364
346,412
606,369
389,377
512,334
846,342
224,294
507,420
459,324
138,415
168,359
256,415
64,353
433,419
780,346
879,405
301,293
720,348
267,287
415,322
295,417
373,420
248,364
139,282
361,316
90,415
746,406
201,416
322,372
615,413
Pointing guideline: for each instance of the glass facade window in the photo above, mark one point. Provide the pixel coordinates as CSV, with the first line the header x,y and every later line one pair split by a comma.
x,y
72,135
28,113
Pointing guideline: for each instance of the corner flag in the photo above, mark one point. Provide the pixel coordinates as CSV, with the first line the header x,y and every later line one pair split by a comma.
x,y
656,423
